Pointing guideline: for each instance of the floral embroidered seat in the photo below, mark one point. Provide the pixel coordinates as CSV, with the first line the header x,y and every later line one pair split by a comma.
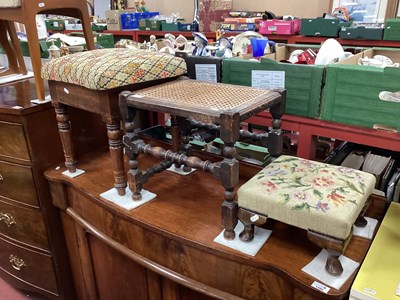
x,y
106,69
325,200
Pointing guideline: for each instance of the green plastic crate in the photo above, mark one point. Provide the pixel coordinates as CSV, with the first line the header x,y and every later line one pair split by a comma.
x,y
55,24
361,33
144,24
44,46
392,30
99,27
169,26
351,93
303,83
322,27
106,40
156,25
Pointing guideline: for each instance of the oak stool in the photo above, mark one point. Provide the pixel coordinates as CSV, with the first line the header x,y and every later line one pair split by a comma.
x,y
325,200
92,81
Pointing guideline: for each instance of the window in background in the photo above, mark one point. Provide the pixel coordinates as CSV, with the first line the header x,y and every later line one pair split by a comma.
x,y
398,11
369,11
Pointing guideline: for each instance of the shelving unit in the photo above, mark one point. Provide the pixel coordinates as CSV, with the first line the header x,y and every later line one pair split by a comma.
x,y
309,129
142,35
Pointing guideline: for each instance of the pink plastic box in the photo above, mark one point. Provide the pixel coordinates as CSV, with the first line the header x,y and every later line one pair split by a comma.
x,y
280,27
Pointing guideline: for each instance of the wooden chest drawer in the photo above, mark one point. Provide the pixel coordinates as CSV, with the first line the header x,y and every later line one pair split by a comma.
x,y
16,183
29,266
23,224
12,141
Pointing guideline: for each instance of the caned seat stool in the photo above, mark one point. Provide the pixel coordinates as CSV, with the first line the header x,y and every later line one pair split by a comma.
x,y
92,81
325,200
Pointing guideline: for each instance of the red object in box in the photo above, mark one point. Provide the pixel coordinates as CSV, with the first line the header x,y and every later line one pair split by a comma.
x,y
280,27
212,13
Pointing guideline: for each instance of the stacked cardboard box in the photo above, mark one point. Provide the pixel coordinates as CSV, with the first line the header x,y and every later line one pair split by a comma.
x,y
212,13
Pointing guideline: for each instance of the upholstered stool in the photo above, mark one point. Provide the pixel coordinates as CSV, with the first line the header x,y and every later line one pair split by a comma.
x,y
92,81
325,200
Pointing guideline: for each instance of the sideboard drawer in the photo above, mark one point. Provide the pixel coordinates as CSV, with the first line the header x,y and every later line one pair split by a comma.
x,y
16,183
23,224
29,266
12,141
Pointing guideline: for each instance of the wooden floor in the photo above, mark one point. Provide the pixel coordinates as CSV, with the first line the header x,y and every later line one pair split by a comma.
x,y
7,292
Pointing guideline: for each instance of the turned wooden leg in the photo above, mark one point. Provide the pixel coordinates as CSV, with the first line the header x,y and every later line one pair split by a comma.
x,y
275,136
361,221
176,137
229,178
135,178
333,265
249,220
64,128
184,128
114,134
229,173
334,246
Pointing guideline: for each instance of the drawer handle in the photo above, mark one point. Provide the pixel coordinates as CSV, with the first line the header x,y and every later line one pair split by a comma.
x,y
1,177
16,263
7,218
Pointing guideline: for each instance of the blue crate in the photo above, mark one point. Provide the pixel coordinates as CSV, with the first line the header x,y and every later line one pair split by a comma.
x,y
130,20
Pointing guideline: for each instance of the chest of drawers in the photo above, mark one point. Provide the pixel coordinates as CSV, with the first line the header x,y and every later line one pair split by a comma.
x,y
32,247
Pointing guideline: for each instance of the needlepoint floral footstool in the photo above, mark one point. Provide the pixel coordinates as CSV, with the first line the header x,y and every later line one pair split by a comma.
x,y
324,199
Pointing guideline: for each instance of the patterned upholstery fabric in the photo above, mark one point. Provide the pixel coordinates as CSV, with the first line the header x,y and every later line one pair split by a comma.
x,y
308,194
105,69
10,3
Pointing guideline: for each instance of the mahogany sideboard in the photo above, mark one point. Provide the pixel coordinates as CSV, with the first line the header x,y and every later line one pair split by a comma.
x,y
164,249
33,254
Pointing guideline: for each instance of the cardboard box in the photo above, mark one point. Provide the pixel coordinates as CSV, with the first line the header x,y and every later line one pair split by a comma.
x,y
212,13
113,19
280,27
352,93
238,26
243,20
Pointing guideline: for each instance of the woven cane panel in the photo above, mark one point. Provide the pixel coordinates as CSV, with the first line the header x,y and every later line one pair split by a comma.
x,y
202,94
